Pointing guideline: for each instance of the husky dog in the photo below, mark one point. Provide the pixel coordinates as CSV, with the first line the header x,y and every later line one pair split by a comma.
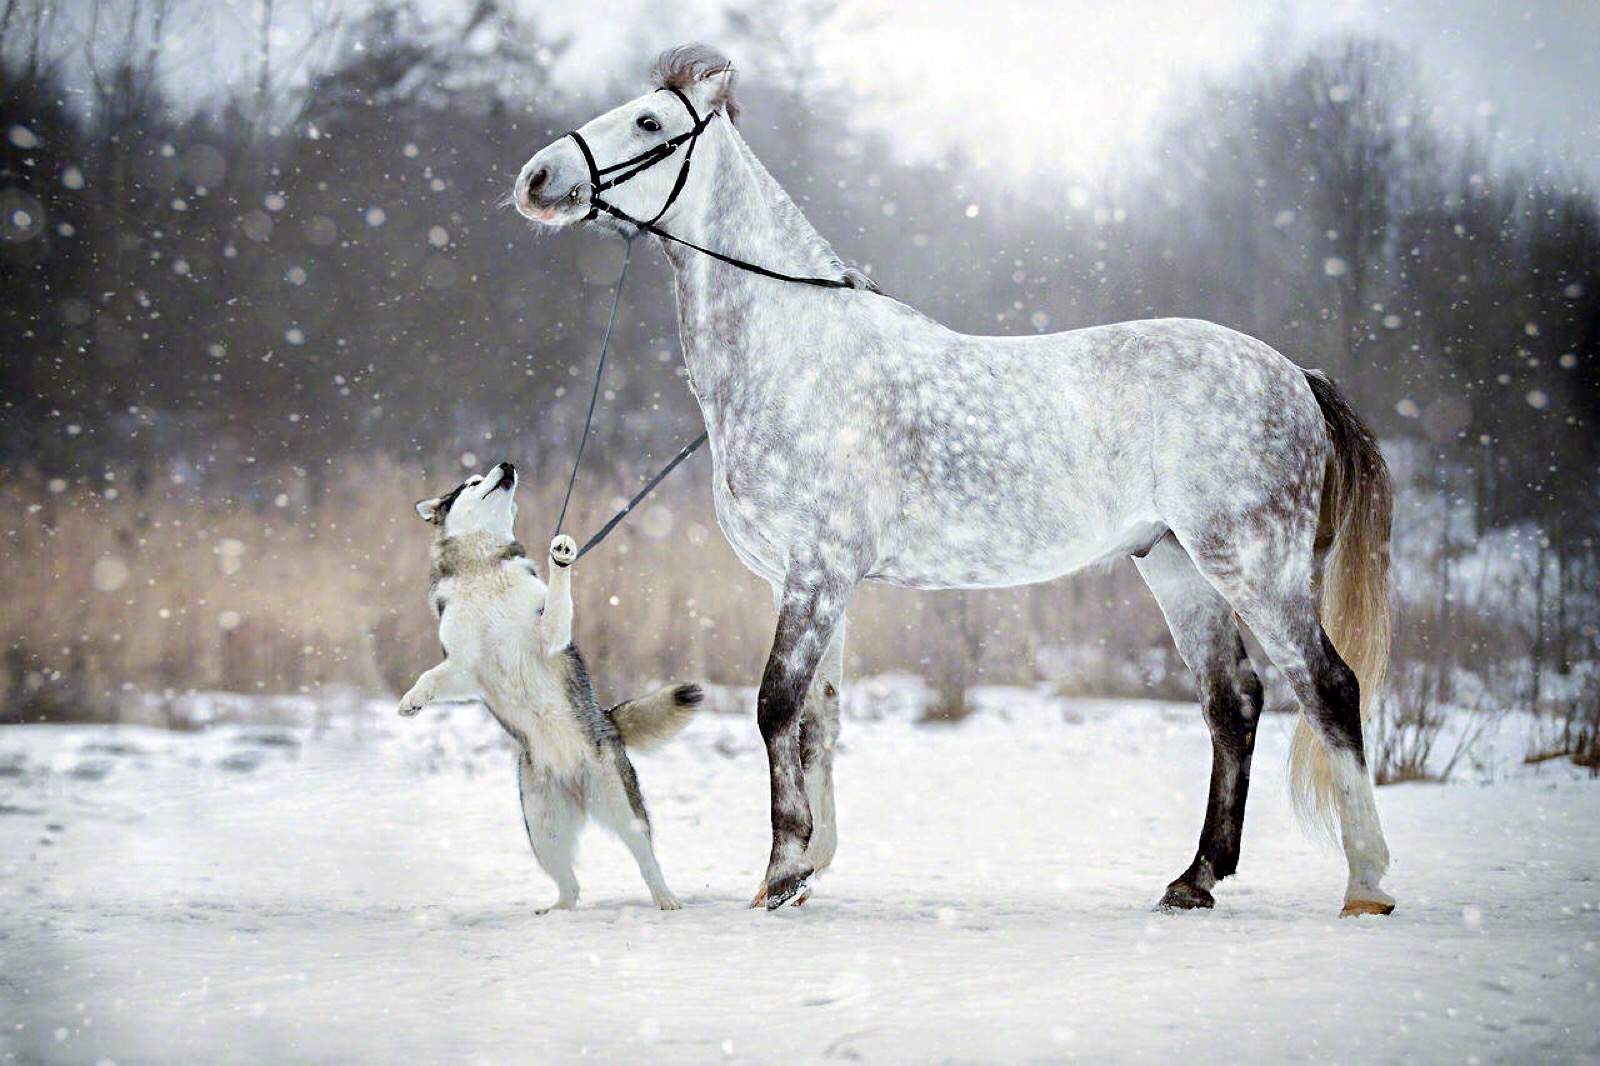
x,y
507,641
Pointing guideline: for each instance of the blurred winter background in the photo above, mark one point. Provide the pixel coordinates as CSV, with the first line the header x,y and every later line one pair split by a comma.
x,y
259,297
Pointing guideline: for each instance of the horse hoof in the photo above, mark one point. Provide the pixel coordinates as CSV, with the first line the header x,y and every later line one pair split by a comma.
x,y
798,901
1354,908
795,886
1182,896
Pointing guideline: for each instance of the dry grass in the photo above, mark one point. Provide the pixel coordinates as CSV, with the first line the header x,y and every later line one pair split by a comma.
x,y
111,591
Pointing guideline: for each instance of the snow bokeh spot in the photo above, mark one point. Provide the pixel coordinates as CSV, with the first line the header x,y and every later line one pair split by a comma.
x,y
109,574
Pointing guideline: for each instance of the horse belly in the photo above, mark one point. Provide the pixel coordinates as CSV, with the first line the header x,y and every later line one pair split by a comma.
x,y
975,554
1049,489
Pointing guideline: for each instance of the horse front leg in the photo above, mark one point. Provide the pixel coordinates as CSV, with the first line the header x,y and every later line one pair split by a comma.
x,y
819,733
810,610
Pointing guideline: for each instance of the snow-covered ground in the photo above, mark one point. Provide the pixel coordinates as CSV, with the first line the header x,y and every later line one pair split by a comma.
x,y
359,889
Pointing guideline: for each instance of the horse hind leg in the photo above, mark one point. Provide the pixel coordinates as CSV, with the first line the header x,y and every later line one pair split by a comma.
x,y
1335,718
1274,597
1207,638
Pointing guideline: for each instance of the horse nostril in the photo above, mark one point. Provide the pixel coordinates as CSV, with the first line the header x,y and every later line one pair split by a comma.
x,y
538,179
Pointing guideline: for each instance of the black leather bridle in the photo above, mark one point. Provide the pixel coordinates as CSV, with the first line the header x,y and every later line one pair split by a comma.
x,y
602,179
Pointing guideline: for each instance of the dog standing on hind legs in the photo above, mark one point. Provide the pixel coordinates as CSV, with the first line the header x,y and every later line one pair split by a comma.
x,y
507,639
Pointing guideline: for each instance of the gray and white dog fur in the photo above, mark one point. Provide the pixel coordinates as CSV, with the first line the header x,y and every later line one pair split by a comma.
x,y
507,639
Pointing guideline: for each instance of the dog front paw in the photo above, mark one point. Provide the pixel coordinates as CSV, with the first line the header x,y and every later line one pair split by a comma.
x,y
563,551
411,703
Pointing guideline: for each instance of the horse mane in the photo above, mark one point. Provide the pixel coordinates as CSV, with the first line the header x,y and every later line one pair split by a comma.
x,y
800,230
683,66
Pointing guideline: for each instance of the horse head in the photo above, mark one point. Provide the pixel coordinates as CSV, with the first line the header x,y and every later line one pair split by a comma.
x,y
632,163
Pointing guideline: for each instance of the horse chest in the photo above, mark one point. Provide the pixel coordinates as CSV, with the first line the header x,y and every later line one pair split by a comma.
x,y
760,508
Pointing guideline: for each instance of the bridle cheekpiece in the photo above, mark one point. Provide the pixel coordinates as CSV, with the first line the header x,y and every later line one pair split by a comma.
x,y
602,179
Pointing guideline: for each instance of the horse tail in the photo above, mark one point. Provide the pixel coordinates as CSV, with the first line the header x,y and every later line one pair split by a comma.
x,y
1353,541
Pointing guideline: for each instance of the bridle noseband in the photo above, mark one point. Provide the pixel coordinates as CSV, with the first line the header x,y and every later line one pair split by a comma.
x,y
631,168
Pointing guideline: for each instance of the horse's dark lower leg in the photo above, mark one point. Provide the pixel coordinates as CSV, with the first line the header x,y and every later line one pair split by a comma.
x,y
1230,694
1207,638
808,611
819,732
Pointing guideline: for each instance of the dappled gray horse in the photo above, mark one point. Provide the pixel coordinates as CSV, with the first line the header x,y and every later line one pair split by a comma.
x,y
854,439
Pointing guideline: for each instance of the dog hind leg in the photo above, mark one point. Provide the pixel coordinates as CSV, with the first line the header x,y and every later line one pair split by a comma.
x,y
619,806
552,813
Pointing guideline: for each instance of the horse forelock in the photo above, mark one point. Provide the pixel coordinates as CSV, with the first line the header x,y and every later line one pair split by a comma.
x,y
688,64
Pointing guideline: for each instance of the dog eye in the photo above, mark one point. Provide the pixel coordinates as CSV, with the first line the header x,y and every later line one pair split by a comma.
x,y
474,480
649,124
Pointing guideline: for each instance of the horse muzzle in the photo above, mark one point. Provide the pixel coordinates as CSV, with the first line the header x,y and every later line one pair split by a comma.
x,y
551,190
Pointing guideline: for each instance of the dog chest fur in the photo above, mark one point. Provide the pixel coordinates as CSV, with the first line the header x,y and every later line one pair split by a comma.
x,y
489,610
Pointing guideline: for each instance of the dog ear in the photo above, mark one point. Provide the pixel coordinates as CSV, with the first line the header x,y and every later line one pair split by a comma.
x,y
429,510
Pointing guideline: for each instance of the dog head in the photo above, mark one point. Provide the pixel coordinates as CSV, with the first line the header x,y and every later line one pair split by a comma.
x,y
484,503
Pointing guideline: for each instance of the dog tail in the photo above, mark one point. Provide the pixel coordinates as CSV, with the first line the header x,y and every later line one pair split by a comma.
x,y
652,720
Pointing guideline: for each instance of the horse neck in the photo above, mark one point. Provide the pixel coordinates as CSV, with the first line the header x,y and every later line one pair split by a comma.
x,y
740,210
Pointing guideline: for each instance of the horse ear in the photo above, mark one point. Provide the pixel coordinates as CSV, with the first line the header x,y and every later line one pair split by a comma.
x,y
718,90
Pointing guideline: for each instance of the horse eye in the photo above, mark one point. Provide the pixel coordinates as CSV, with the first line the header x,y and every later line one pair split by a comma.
x,y
649,124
